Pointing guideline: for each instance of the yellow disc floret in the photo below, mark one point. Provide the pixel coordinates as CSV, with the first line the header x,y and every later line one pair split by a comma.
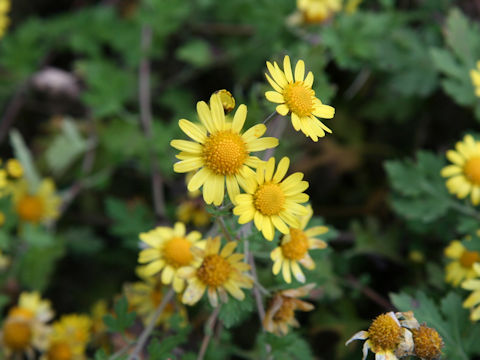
x,y
384,333
468,258
177,252
17,334
428,343
296,248
299,98
269,199
60,351
472,170
286,311
214,270
30,208
224,152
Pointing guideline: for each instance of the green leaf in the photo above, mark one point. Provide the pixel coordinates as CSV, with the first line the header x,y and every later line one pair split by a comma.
x,y
195,52
22,153
162,350
82,240
122,318
37,236
288,347
234,311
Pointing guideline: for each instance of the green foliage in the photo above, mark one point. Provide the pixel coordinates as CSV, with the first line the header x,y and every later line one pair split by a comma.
x,y
234,312
288,347
22,153
122,319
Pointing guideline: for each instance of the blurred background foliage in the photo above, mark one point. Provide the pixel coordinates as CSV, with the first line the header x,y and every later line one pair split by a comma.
x,y
397,73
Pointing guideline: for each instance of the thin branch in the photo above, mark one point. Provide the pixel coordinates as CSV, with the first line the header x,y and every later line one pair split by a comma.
x,y
370,293
221,223
148,330
208,333
256,291
12,110
279,123
146,120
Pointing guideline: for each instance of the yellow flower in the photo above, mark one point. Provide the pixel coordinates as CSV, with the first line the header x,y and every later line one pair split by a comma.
x,y
428,343
298,98
270,201
25,327
352,5
384,336
280,313
464,174
169,250
144,297
217,272
475,76
14,168
69,338
4,20
38,206
228,101
462,266
193,211
220,151
473,301
294,249
317,11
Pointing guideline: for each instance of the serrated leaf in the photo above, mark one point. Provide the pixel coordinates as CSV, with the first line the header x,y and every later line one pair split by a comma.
x,y
235,311
122,319
288,347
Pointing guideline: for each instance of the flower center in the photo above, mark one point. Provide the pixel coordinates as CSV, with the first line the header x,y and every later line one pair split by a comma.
x,y
299,98
428,343
469,258
17,334
286,311
177,252
269,199
472,170
214,270
384,333
59,351
21,312
224,152
30,208
296,248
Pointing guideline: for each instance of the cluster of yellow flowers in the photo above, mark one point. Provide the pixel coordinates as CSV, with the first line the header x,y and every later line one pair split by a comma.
x,y
392,336
320,11
27,329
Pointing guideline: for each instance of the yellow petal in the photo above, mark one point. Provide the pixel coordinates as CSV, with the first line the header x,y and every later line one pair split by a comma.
x,y
299,70
192,130
239,118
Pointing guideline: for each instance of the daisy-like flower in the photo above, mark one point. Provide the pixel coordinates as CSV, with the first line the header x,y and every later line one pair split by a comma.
x,y
169,250
69,338
145,296
220,152
272,201
297,97
475,76
294,249
217,272
280,313
464,174
38,206
25,327
461,267
428,343
384,337
473,301
318,11
193,210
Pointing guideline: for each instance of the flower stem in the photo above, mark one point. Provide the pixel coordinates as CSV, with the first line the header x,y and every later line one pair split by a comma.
x,y
208,333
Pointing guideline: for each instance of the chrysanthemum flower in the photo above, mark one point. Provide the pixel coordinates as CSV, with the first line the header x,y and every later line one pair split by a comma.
x,y
169,250
280,313
475,76
318,11
25,327
461,267
220,152
40,205
69,338
464,174
473,301
297,97
428,343
217,272
384,336
294,249
144,297
272,201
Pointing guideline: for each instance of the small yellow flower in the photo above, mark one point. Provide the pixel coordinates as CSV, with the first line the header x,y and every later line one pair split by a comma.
x,y
384,336
41,205
4,20
428,343
294,249
461,267
475,76
193,211
280,313
473,301
297,97
14,168
69,338
228,101
272,201
4,261
464,174
169,250
318,11
217,272
352,5
220,152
